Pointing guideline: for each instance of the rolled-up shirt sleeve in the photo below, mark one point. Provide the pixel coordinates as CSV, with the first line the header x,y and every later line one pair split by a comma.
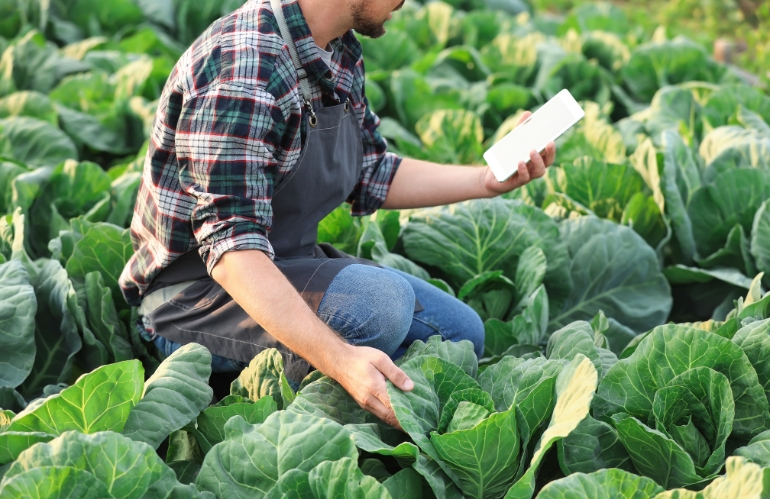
x,y
225,146
379,168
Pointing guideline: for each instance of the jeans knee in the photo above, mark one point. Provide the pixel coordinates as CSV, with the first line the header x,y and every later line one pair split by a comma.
x,y
369,306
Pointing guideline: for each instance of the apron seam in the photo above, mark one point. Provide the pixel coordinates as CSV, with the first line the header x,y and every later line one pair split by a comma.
x,y
314,273
219,336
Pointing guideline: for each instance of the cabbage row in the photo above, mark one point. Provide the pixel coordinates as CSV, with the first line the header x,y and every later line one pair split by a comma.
x,y
660,420
656,212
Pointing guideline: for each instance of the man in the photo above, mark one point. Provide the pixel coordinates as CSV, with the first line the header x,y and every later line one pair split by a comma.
x,y
262,130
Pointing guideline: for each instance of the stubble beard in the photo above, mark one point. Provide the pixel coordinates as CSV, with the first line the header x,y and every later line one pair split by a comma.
x,y
365,26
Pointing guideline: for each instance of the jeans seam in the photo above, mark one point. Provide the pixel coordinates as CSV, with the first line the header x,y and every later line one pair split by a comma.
x,y
430,325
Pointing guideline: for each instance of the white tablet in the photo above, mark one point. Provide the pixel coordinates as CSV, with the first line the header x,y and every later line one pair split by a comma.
x,y
546,124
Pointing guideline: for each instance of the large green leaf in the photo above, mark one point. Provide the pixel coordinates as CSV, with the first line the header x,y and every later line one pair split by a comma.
x,y
602,17
106,248
435,379
33,63
17,324
596,138
474,401
416,96
512,379
735,253
13,443
128,469
325,398
643,215
668,351
98,401
483,457
31,104
604,188
602,484
103,318
696,409
656,65
513,56
579,337
593,446
54,482
679,274
261,377
452,136
758,450
35,142
760,238
724,103
9,170
733,198
655,454
490,294
611,268
730,148
173,396
679,181
341,229
331,479
210,424
743,480
373,246
673,108
467,239
371,438
56,335
575,387
284,444
405,484
459,353
754,340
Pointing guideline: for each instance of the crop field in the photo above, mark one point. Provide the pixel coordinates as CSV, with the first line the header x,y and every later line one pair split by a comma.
x,y
627,349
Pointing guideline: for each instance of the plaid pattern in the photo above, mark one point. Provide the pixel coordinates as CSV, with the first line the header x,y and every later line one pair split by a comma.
x,y
229,127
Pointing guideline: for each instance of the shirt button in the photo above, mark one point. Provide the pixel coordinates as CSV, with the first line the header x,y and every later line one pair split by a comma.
x,y
328,75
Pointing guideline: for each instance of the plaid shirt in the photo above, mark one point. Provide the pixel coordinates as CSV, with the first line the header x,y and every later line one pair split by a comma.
x,y
228,127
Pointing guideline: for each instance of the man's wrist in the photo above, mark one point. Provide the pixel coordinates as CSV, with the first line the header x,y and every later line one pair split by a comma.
x,y
484,190
333,355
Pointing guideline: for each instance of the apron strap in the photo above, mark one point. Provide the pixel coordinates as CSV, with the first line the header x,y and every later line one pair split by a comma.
x,y
301,73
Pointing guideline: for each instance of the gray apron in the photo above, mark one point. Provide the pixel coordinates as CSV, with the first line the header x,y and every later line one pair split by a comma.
x,y
326,173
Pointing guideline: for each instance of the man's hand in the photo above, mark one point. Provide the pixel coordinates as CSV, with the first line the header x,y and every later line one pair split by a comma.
x,y
526,172
418,184
362,372
256,284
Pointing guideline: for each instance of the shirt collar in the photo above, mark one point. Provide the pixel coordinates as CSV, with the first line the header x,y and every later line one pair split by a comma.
x,y
306,47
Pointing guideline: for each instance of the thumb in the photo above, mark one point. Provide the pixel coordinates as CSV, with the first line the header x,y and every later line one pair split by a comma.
x,y
391,371
524,116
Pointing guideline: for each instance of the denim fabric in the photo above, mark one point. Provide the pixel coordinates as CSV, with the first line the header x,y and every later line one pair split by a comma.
x,y
374,307
369,306
443,314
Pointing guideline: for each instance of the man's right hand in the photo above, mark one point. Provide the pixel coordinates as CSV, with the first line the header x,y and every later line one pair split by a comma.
x,y
256,284
362,372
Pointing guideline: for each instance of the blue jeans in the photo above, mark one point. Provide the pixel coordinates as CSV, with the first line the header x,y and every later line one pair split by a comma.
x,y
374,307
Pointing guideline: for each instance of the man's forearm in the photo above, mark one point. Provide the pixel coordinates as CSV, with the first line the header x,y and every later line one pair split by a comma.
x,y
256,284
419,184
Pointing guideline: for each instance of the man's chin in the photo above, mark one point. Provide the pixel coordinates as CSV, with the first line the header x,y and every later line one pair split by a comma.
x,y
371,30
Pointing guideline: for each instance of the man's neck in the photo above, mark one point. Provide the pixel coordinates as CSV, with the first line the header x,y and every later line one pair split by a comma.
x,y
324,19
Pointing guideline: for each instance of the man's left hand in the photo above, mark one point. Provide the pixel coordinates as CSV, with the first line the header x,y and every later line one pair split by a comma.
x,y
538,162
